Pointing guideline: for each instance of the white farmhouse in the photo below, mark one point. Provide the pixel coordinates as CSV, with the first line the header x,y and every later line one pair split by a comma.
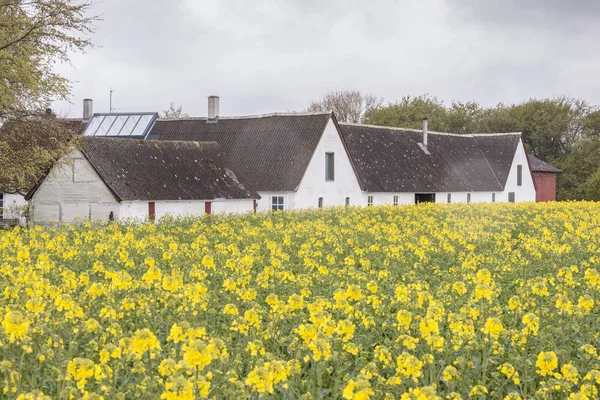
x,y
297,161
111,178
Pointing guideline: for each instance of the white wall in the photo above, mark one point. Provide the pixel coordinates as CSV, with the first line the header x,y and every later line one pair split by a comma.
x,y
264,204
13,207
314,185
140,210
73,190
526,192
461,197
134,210
232,206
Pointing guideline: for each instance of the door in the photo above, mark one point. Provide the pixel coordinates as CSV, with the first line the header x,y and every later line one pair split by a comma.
x,y
151,211
207,207
424,198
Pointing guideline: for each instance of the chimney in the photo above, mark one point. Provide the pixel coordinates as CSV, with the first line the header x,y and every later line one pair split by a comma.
x,y
423,145
213,107
425,132
88,109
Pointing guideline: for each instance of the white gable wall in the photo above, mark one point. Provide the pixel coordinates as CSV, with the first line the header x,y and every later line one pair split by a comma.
x,y
526,192
314,185
73,190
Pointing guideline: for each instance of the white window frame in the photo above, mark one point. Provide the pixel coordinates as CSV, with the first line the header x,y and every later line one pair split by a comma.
x,y
519,175
514,197
369,201
277,203
320,202
395,200
468,197
493,197
449,198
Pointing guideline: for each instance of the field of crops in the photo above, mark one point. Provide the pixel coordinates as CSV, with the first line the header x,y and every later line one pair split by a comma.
x,y
456,301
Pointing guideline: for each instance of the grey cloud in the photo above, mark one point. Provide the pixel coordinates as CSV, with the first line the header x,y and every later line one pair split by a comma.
x,y
267,55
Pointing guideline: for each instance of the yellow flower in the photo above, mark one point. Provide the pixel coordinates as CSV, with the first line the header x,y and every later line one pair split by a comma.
x,y
263,378
358,390
493,327
143,341
570,373
80,370
532,323
15,325
510,372
409,366
449,373
478,390
422,393
546,363
178,388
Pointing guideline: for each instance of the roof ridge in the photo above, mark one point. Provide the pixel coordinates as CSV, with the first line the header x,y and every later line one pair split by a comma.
x,y
428,131
282,114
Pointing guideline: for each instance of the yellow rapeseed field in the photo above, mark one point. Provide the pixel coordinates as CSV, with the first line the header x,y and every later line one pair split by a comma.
x,y
418,302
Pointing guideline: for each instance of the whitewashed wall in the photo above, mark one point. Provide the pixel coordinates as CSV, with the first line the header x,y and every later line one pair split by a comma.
x,y
264,204
526,192
314,185
139,209
73,190
14,205
232,206
461,197
134,210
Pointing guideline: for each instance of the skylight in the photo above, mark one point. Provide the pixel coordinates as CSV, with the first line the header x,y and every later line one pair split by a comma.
x,y
134,125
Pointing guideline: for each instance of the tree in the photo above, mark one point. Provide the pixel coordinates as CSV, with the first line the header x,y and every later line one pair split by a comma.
x,y
29,147
174,111
409,113
34,36
348,105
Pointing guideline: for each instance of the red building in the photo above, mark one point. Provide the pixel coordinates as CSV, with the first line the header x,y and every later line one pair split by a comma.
x,y
544,176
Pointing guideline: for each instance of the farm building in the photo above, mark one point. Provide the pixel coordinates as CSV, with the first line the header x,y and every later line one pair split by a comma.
x,y
310,160
544,176
274,162
111,178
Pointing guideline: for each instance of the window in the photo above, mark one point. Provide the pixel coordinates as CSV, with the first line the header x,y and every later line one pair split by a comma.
x,y
1,204
519,175
320,202
511,197
449,198
468,197
277,203
347,201
369,200
493,197
329,166
395,200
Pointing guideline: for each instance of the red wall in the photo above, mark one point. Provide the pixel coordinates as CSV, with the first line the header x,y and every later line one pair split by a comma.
x,y
546,186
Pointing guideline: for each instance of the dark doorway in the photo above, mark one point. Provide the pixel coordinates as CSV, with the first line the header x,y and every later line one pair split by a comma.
x,y
207,207
424,198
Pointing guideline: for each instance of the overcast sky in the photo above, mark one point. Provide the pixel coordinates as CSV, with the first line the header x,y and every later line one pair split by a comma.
x,y
265,56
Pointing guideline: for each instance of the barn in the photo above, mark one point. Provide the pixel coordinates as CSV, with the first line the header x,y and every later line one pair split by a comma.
x,y
544,176
112,178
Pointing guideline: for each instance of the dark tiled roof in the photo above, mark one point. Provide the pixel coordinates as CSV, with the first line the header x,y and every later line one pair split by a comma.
x,y
152,170
538,165
499,150
391,160
268,153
